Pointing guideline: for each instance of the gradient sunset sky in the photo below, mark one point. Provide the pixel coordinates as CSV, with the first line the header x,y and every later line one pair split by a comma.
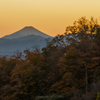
x,y
49,16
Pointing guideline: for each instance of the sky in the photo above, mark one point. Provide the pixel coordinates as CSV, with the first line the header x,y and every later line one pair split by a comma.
x,y
49,16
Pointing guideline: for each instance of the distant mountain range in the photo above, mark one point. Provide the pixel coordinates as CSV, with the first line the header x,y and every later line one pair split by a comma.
x,y
26,31
26,38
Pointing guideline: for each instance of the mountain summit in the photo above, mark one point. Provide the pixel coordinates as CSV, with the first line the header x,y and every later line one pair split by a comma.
x,y
28,30
28,37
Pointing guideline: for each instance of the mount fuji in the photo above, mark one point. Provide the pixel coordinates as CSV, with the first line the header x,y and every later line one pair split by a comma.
x,y
28,30
26,38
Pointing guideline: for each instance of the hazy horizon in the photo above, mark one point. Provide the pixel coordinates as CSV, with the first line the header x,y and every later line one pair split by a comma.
x,y
51,16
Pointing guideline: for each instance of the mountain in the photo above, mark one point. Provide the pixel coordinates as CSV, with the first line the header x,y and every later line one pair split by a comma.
x,y
26,38
28,30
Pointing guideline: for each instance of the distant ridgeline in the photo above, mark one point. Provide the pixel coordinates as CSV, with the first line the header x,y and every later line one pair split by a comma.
x,y
26,38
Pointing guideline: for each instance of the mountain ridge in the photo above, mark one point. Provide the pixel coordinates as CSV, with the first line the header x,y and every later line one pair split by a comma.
x,y
28,37
28,30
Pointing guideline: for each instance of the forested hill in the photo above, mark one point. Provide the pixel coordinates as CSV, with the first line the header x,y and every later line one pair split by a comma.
x,y
68,68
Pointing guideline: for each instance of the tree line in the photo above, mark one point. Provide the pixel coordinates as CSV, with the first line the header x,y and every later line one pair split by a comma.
x,y
69,66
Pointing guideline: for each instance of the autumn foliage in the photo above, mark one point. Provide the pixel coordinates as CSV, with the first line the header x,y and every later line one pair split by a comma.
x,y
69,65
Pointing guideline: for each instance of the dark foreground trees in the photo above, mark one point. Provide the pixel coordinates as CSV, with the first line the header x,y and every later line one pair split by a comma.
x,y
68,68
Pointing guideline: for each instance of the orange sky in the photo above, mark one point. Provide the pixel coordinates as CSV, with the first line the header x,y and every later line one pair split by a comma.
x,y
49,16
